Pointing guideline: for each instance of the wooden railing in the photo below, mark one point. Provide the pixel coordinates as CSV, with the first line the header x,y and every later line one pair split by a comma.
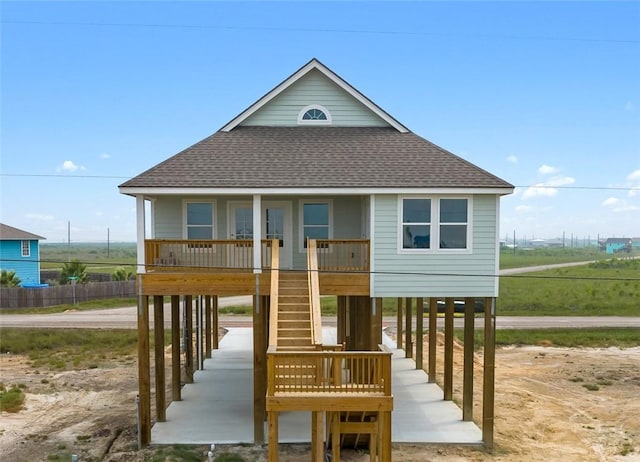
x,y
314,293
343,254
273,303
329,372
203,255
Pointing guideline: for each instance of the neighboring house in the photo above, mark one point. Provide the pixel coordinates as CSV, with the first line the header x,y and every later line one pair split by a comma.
x,y
392,214
20,252
618,244
635,243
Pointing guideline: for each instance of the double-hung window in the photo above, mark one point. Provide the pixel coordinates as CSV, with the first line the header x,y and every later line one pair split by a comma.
x,y
316,221
25,248
434,224
199,220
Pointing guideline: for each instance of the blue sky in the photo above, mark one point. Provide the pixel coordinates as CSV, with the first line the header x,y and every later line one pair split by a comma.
x,y
540,94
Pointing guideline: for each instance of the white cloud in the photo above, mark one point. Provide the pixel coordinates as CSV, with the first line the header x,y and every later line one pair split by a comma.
x,y
629,106
634,176
548,188
524,208
539,190
547,169
626,208
610,201
39,216
512,159
634,191
105,156
69,166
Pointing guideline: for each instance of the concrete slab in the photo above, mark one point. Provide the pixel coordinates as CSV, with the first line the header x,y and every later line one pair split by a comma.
x,y
218,406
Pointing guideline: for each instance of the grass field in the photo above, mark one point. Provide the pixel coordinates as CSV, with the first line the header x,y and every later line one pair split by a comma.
x,y
98,257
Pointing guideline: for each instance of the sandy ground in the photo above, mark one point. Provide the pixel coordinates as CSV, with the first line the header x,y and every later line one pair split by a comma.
x,y
544,412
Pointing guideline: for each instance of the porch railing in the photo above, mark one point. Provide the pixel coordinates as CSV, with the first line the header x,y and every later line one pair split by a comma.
x,y
273,302
203,255
329,372
343,254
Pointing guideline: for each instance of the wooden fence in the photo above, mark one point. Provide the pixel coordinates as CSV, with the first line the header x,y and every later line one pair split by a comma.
x,y
19,297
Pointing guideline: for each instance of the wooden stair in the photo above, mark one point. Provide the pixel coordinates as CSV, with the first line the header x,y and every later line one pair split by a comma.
x,y
294,312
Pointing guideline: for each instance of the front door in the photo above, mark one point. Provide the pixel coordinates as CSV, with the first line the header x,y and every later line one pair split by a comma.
x,y
276,224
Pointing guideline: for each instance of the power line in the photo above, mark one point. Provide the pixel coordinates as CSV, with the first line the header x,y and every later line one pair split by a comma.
x,y
388,273
326,31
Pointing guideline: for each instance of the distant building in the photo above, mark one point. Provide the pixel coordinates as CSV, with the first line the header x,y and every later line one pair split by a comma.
x,y
617,244
635,243
20,252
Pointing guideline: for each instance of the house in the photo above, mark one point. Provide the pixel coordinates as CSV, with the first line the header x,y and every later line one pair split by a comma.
x,y
20,252
635,243
315,173
618,244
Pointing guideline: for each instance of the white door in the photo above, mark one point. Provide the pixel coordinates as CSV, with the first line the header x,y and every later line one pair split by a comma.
x,y
276,224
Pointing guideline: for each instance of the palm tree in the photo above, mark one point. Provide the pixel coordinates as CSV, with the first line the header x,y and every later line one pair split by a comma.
x,y
122,274
76,270
9,278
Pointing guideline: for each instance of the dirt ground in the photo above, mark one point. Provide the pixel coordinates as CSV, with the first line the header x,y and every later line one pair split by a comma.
x,y
552,404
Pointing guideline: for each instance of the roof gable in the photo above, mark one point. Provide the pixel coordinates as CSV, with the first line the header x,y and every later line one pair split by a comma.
x,y
342,95
9,233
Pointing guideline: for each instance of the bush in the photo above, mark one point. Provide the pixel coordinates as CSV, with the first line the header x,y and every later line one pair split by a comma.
x,y
11,400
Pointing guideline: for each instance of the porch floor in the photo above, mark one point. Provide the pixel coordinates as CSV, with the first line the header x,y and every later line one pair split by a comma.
x,y
218,406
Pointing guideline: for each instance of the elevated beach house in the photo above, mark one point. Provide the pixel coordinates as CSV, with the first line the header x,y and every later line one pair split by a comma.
x,y
315,190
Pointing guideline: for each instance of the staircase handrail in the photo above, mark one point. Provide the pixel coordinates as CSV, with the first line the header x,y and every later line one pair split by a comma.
x,y
273,305
314,292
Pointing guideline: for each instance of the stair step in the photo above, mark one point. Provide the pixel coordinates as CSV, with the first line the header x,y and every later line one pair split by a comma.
x,y
292,333
294,323
294,341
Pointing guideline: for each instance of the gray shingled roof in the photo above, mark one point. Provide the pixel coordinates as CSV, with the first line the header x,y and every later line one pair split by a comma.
x,y
315,157
9,233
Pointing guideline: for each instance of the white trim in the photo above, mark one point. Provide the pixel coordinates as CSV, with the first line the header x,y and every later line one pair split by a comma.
x,y
372,246
140,233
257,234
497,249
301,204
434,226
134,191
214,210
324,110
315,64
22,252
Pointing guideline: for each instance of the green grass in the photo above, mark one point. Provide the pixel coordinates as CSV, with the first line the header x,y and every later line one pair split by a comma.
x,y
11,399
548,256
178,453
62,349
82,306
604,288
602,337
95,255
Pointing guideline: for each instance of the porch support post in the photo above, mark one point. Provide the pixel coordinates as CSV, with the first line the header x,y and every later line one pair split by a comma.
x,y
214,310
317,436
448,349
140,234
399,324
207,326
259,368
419,331
467,380
158,339
376,323
408,341
341,315
433,333
176,394
257,234
188,338
488,388
144,370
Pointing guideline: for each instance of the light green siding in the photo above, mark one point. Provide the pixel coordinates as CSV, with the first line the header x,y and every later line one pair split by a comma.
x,y
435,274
314,88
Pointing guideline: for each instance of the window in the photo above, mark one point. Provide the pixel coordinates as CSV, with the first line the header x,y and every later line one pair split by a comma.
x,y
434,224
26,248
416,223
199,220
316,221
314,114
453,223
